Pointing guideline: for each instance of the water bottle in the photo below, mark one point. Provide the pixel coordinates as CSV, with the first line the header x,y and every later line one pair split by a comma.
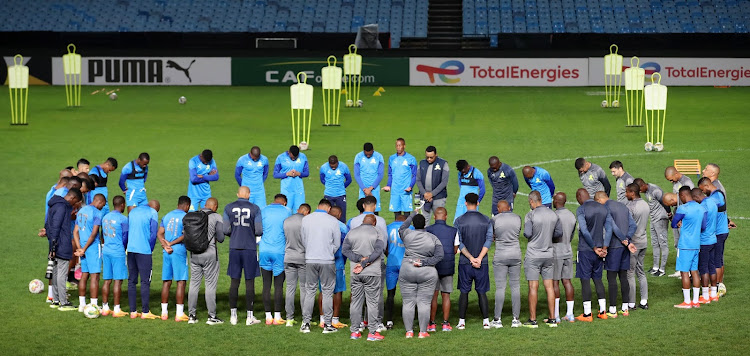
x,y
50,268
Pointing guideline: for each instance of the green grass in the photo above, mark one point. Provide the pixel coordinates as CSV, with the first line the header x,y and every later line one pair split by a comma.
x,y
549,127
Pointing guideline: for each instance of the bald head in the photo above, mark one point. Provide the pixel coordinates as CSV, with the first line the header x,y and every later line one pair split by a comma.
x,y
559,200
671,174
601,197
698,194
154,204
368,220
255,152
495,163
212,204
503,206
66,173
335,212
99,201
441,214
243,192
582,195
669,199
711,171
528,172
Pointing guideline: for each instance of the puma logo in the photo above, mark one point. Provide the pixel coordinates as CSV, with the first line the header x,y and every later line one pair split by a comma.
x,y
174,65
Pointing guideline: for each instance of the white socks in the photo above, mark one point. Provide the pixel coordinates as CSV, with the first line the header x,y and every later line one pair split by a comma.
x,y
51,291
587,308
557,308
250,314
461,321
105,306
643,302
486,321
277,316
624,306
268,316
164,308
95,301
713,292
117,308
570,307
602,305
686,295
696,293
334,320
612,309
82,300
234,312
704,291
180,309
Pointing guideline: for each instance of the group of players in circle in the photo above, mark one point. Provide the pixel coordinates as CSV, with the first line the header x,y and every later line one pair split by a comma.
x,y
288,241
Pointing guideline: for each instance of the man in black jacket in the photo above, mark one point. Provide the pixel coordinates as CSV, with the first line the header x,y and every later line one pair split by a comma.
x,y
59,235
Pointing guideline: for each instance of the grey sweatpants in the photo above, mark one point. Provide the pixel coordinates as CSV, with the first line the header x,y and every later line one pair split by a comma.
x,y
676,234
326,275
508,270
636,269
381,304
294,272
206,266
417,289
364,289
659,243
59,278
429,208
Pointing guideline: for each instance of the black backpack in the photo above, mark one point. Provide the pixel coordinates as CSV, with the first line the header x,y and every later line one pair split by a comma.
x,y
195,230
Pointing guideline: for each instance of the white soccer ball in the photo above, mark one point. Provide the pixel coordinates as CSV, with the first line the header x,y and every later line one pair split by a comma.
x,y
303,146
182,100
615,103
360,103
649,147
722,290
658,147
349,103
604,103
36,286
113,96
91,311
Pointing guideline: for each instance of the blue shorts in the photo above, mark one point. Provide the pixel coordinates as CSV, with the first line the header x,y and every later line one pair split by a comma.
x,y
341,203
589,265
258,197
197,203
706,263
401,201
240,260
719,250
174,267
618,259
91,262
391,276
294,199
272,262
480,276
114,268
136,197
340,282
375,192
687,260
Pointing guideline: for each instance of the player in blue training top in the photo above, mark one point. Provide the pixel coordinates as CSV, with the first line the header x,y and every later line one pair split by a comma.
x,y
336,178
537,178
368,172
691,218
101,172
251,171
291,166
402,175
396,251
133,181
174,258
88,248
271,257
470,180
115,231
143,224
706,263
202,170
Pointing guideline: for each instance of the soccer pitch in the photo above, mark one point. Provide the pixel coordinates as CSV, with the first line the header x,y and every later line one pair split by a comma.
x,y
547,127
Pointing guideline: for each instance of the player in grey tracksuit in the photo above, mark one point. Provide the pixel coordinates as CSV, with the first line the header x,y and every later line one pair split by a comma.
x,y
659,223
640,211
623,180
364,247
507,262
563,252
592,177
418,276
294,261
206,265
678,180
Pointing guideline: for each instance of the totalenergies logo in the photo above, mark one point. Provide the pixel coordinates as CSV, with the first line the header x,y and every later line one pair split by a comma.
x,y
650,67
445,69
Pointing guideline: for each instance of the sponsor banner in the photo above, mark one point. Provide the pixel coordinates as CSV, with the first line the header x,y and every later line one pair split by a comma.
x,y
683,71
498,71
283,71
149,71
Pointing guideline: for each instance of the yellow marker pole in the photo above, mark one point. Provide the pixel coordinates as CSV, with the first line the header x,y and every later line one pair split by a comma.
x,y
331,83
612,78
656,113
72,72
634,82
18,91
301,105
353,77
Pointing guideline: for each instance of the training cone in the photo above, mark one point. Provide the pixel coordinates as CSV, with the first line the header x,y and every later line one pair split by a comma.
x,y
343,91
377,93
381,90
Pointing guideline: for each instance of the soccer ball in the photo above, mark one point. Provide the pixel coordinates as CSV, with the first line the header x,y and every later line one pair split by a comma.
x,y
303,146
113,96
360,103
349,103
36,286
182,100
615,103
91,311
604,103
721,290
658,147
649,147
